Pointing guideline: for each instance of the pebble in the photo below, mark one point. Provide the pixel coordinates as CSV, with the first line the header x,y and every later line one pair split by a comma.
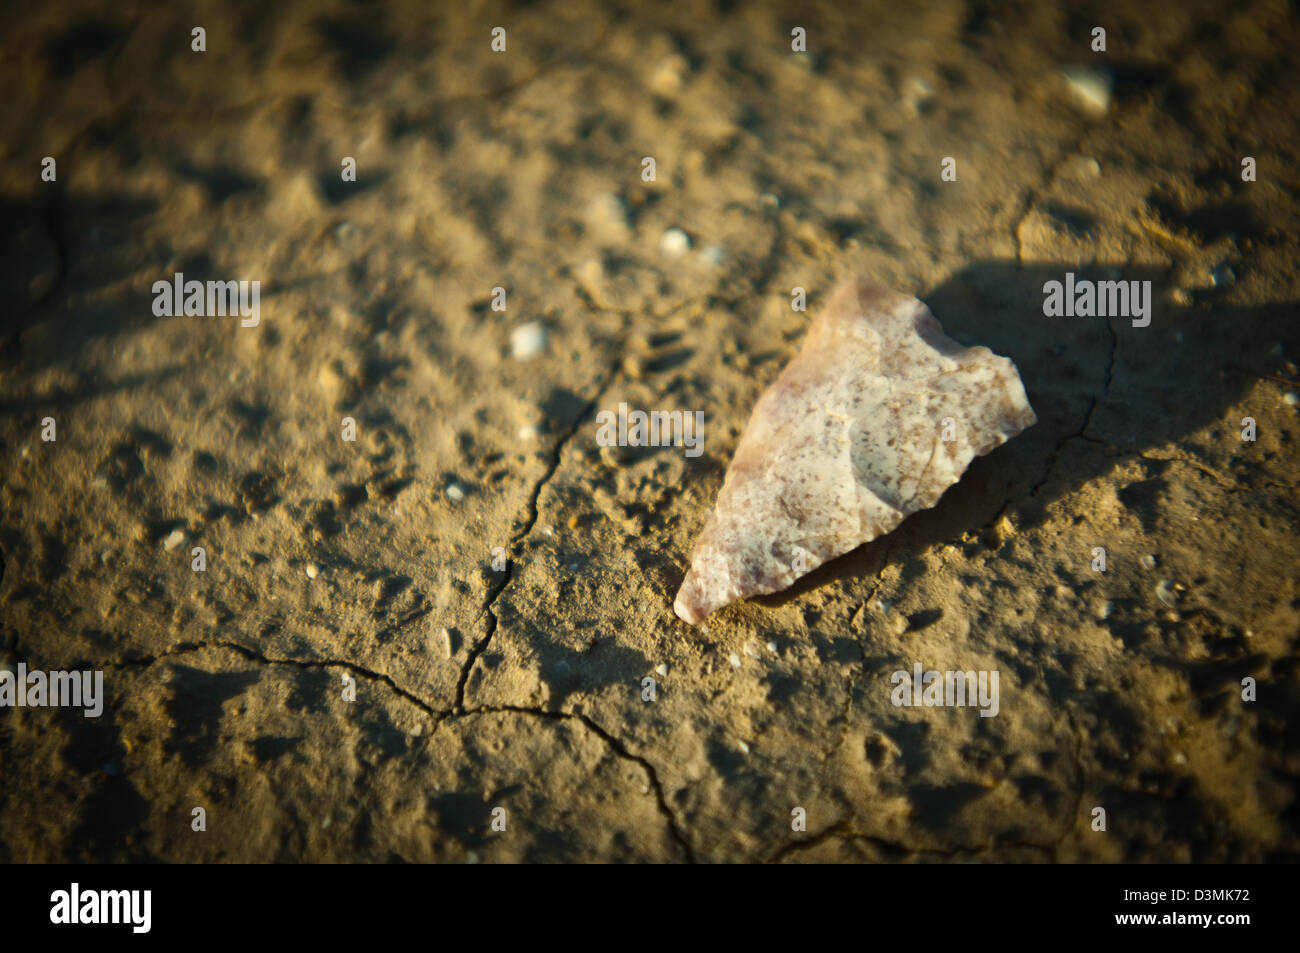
x,y
445,633
1166,594
455,493
742,746
527,433
174,539
1222,276
661,670
750,650
1291,398
674,243
734,659
1083,167
528,341
312,570
1091,88
1148,561
771,647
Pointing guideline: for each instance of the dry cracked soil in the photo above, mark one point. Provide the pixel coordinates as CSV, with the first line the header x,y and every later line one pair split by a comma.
x,y
395,636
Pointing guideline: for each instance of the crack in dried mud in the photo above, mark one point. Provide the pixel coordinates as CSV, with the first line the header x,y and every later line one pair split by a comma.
x,y
440,716
841,830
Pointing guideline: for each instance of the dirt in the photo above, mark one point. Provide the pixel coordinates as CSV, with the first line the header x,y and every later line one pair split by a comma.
x,y
476,512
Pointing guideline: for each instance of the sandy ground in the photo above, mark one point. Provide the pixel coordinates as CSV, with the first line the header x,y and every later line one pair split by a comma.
x,y
333,562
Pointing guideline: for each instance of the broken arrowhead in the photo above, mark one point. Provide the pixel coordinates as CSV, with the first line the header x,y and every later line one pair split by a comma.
x,y
877,415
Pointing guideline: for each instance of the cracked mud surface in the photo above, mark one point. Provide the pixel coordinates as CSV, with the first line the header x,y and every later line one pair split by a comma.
x,y
522,170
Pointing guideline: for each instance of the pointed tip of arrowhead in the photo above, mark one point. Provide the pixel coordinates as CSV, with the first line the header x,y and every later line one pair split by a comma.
x,y
685,610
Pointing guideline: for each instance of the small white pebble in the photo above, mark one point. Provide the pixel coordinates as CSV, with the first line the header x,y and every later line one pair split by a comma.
x,y
312,570
455,493
174,539
674,243
771,646
1091,88
1180,758
1166,594
661,670
528,341
527,433
1148,561
446,641
1106,610
734,659
742,746
750,650
1291,398
1086,167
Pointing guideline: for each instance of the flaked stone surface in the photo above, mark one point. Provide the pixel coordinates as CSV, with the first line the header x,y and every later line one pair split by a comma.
x,y
877,415
477,169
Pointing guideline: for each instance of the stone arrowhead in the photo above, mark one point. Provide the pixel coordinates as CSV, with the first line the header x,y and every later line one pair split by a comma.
x,y
877,415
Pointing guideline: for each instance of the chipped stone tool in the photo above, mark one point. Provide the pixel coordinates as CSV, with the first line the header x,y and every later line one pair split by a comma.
x,y
877,415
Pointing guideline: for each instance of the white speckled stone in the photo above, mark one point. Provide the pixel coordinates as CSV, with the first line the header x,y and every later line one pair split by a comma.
x,y
848,442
